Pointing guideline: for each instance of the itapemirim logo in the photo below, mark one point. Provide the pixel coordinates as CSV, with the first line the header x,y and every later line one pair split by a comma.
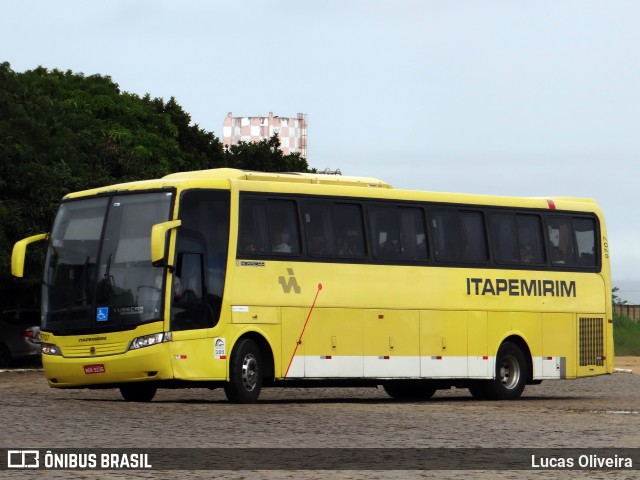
x,y
290,283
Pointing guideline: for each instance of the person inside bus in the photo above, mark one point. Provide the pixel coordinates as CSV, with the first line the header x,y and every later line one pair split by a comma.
x,y
248,244
389,248
526,256
351,247
278,243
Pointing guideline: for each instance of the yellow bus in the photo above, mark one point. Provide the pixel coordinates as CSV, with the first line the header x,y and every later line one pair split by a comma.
x,y
237,279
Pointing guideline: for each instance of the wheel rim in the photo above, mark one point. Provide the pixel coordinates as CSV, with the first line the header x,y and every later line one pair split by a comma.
x,y
250,372
510,372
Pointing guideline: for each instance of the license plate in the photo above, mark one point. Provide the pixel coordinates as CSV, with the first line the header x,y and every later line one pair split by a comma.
x,y
94,369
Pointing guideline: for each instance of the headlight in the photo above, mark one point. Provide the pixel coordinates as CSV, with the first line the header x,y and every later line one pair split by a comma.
x,y
50,349
149,340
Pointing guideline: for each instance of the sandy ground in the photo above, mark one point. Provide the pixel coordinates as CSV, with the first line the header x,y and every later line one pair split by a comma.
x,y
632,363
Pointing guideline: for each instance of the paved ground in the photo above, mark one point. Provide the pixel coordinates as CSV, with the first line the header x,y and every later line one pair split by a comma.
x,y
593,412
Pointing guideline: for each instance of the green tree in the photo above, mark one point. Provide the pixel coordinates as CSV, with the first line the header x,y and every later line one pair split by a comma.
x,y
615,298
199,149
265,155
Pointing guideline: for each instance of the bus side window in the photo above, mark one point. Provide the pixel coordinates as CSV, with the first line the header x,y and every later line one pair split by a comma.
x,y
349,230
530,239
413,234
459,236
446,235
254,231
474,246
283,226
585,235
560,238
504,237
385,232
398,233
319,229
517,238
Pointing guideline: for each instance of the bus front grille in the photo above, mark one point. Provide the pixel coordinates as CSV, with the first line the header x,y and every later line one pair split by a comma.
x,y
591,341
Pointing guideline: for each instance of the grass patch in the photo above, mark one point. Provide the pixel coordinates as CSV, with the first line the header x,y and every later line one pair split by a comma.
x,y
626,336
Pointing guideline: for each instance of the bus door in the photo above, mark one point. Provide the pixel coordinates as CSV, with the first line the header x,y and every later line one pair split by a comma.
x,y
198,283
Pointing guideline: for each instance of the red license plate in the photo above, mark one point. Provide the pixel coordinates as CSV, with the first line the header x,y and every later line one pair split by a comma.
x,y
94,368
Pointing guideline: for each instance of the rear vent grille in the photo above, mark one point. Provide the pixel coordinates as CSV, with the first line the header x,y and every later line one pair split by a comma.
x,y
591,341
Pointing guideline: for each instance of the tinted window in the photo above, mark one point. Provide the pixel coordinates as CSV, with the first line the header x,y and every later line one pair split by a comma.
x,y
530,243
349,231
253,236
560,235
585,234
459,236
268,226
385,233
572,241
398,233
504,237
446,235
334,230
283,226
318,224
516,238
474,247
413,234
201,259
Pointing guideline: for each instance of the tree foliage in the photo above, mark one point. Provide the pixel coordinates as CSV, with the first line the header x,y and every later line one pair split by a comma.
x,y
616,300
62,132
265,156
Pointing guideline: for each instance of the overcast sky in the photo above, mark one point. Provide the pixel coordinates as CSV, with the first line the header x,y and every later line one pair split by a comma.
x,y
533,98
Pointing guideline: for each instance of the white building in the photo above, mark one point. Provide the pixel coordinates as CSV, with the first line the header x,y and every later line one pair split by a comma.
x,y
291,131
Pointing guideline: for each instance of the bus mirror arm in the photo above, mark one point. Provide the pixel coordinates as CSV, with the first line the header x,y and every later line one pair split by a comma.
x,y
159,242
20,251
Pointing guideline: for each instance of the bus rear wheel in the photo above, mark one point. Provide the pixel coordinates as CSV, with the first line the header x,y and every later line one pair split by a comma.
x,y
138,392
409,390
510,376
245,373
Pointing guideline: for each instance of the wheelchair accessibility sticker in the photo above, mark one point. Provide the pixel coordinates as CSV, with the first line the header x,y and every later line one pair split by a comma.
x,y
103,314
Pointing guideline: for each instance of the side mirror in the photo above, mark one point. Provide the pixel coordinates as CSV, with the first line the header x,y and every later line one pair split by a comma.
x,y
159,241
20,251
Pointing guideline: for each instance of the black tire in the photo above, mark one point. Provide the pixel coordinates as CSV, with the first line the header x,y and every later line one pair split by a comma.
x,y
138,392
245,373
511,374
409,390
5,356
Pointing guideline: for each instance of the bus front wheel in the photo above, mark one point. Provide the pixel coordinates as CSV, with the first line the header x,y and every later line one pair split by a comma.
x,y
510,376
245,373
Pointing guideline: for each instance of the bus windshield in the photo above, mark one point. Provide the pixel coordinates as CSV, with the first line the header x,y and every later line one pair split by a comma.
x,y
98,273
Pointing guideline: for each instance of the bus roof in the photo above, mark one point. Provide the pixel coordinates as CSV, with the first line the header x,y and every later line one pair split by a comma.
x,y
334,184
291,177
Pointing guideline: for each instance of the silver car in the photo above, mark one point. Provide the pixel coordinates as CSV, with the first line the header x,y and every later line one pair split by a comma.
x,y
19,336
